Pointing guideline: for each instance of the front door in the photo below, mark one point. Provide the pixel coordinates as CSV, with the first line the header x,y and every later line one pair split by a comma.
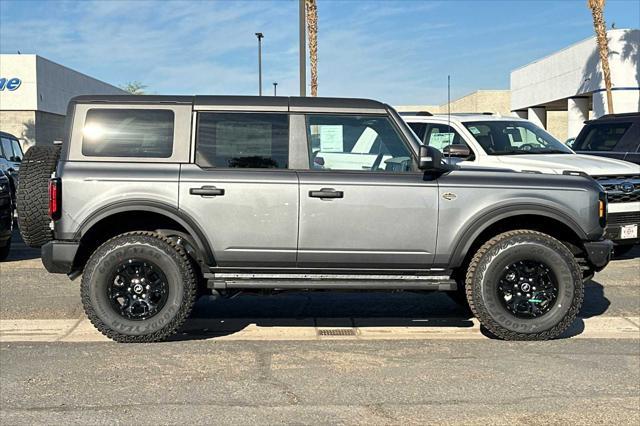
x,y
240,190
362,202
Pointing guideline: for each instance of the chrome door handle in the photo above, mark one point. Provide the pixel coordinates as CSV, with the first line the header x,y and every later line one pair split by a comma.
x,y
207,191
326,193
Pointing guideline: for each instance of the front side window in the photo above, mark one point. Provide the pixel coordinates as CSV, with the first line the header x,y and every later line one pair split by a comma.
x,y
243,140
363,143
11,150
128,133
17,150
602,137
501,137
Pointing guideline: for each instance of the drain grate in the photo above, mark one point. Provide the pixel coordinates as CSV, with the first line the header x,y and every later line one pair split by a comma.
x,y
337,332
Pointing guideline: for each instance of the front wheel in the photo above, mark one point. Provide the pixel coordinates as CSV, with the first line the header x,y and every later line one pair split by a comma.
x,y
524,285
138,287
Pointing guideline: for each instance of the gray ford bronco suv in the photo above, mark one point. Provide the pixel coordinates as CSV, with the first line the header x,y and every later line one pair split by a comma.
x,y
156,200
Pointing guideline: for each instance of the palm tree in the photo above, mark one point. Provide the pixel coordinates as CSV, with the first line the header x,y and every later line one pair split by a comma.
x,y
312,29
597,10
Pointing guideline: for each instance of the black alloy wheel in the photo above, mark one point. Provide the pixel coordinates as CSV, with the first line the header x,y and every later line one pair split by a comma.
x,y
138,290
528,289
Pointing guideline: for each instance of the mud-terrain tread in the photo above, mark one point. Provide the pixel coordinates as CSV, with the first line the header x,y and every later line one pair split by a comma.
x,y
33,194
485,318
189,296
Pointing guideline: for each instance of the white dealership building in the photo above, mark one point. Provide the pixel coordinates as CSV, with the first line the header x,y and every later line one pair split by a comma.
x,y
571,81
34,93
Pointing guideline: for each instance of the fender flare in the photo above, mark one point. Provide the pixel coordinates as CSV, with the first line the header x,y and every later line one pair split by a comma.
x,y
188,223
483,221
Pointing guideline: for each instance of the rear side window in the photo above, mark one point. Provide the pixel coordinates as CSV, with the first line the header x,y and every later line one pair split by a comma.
x,y
128,133
243,140
602,137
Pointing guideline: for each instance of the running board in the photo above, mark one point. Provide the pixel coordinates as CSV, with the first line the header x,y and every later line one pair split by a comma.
x,y
221,281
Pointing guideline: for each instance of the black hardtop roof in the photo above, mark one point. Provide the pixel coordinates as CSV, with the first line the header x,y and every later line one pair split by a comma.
x,y
250,101
625,116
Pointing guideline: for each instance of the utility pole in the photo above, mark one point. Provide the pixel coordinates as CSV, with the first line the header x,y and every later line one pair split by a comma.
x,y
260,37
303,47
275,88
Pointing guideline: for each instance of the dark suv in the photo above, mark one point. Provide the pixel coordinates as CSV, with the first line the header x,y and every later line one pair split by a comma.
x,y
613,136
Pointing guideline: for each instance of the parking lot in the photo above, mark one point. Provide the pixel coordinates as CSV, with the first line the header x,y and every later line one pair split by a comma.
x,y
367,358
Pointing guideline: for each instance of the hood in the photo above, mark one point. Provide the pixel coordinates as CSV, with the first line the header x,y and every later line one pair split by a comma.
x,y
557,163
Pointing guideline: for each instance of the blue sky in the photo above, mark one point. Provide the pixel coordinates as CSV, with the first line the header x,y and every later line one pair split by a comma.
x,y
397,51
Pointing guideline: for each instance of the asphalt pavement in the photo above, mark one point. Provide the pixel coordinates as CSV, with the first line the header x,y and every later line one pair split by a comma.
x,y
386,358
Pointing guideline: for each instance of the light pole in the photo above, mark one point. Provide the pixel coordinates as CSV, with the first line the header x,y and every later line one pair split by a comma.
x,y
275,88
260,37
302,19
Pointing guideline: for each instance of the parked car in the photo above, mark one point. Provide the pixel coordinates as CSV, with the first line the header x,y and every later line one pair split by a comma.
x,y
480,140
6,216
157,199
613,136
10,158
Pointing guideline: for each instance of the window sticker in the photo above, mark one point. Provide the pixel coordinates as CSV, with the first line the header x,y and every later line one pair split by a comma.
x,y
440,140
474,130
331,138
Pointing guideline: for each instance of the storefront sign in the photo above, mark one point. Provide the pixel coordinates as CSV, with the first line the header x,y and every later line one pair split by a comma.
x,y
10,84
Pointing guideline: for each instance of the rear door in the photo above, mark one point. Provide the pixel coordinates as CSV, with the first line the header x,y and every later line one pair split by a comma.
x,y
239,188
363,203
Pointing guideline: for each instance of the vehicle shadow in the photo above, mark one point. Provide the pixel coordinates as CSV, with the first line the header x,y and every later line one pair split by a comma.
x,y
634,253
19,250
220,317
213,318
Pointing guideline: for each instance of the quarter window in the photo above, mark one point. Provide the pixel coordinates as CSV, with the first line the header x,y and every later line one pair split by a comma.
x,y
243,140
364,143
128,133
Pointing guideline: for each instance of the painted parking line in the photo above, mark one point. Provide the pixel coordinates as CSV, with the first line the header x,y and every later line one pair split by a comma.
x,y
65,330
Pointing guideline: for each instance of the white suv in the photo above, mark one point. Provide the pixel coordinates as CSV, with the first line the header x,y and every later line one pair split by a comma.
x,y
481,140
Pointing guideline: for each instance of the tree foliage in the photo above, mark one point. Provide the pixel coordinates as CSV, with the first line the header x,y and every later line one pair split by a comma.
x,y
134,88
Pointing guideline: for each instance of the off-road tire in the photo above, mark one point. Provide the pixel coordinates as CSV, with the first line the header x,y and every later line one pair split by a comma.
x,y
174,262
482,281
33,194
5,249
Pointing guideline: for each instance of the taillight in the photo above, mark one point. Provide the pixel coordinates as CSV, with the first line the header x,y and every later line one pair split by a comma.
x,y
55,198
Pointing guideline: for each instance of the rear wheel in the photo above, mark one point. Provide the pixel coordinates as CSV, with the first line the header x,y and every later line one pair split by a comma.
x,y
524,285
32,194
138,287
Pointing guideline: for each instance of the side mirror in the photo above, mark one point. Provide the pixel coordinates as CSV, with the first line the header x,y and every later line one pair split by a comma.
x,y
457,150
430,159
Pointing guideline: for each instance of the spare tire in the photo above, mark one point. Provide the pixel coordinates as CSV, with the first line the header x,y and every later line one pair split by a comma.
x,y
33,194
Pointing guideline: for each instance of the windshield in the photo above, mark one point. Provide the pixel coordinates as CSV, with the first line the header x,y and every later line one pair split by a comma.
x,y
601,137
503,137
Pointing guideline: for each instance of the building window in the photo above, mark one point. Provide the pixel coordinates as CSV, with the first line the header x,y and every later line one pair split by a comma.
x,y
128,133
359,143
243,140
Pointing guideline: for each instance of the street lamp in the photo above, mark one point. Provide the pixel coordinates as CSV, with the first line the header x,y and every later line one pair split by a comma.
x,y
275,88
260,37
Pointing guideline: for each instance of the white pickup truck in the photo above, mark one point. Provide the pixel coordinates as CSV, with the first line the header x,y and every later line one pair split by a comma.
x,y
481,140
